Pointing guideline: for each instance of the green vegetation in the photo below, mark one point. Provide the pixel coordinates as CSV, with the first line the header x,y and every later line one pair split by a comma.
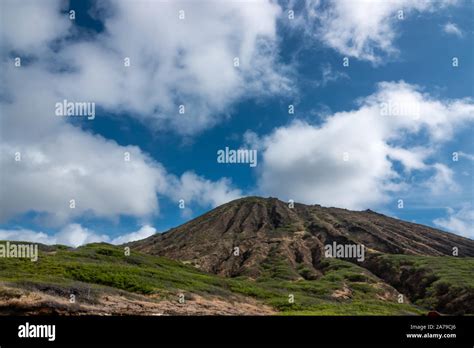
x,y
342,288
457,271
445,283
107,265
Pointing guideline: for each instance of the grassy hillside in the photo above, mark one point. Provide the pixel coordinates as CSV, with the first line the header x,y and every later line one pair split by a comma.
x,y
342,289
444,283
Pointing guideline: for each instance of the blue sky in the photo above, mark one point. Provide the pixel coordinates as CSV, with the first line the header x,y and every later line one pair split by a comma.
x,y
284,61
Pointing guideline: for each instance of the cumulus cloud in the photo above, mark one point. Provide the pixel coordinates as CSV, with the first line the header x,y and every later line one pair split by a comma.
x,y
362,29
189,61
61,162
144,232
193,188
29,26
96,177
348,160
26,235
442,181
74,235
452,29
459,221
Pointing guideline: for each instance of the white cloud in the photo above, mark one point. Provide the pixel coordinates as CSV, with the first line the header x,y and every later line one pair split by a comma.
x,y
72,164
76,165
30,25
144,232
453,29
26,235
176,62
466,155
460,221
412,159
193,188
330,75
74,235
60,162
306,163
71,235
363,29
442,181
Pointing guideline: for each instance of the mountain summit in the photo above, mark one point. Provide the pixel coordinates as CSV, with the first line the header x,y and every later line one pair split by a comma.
x,y
242,237
266,257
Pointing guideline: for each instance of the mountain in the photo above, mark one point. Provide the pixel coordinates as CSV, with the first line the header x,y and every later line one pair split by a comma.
x,y
281,267
104,281
267,229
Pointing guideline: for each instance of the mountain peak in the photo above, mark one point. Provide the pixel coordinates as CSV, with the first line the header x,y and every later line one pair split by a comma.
x,y
239,237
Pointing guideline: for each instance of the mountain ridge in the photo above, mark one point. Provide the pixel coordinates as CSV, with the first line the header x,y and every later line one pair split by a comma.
x,y
253,256
262,228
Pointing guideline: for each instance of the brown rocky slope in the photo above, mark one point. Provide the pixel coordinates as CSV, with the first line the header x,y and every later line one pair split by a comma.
x,y
267,229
